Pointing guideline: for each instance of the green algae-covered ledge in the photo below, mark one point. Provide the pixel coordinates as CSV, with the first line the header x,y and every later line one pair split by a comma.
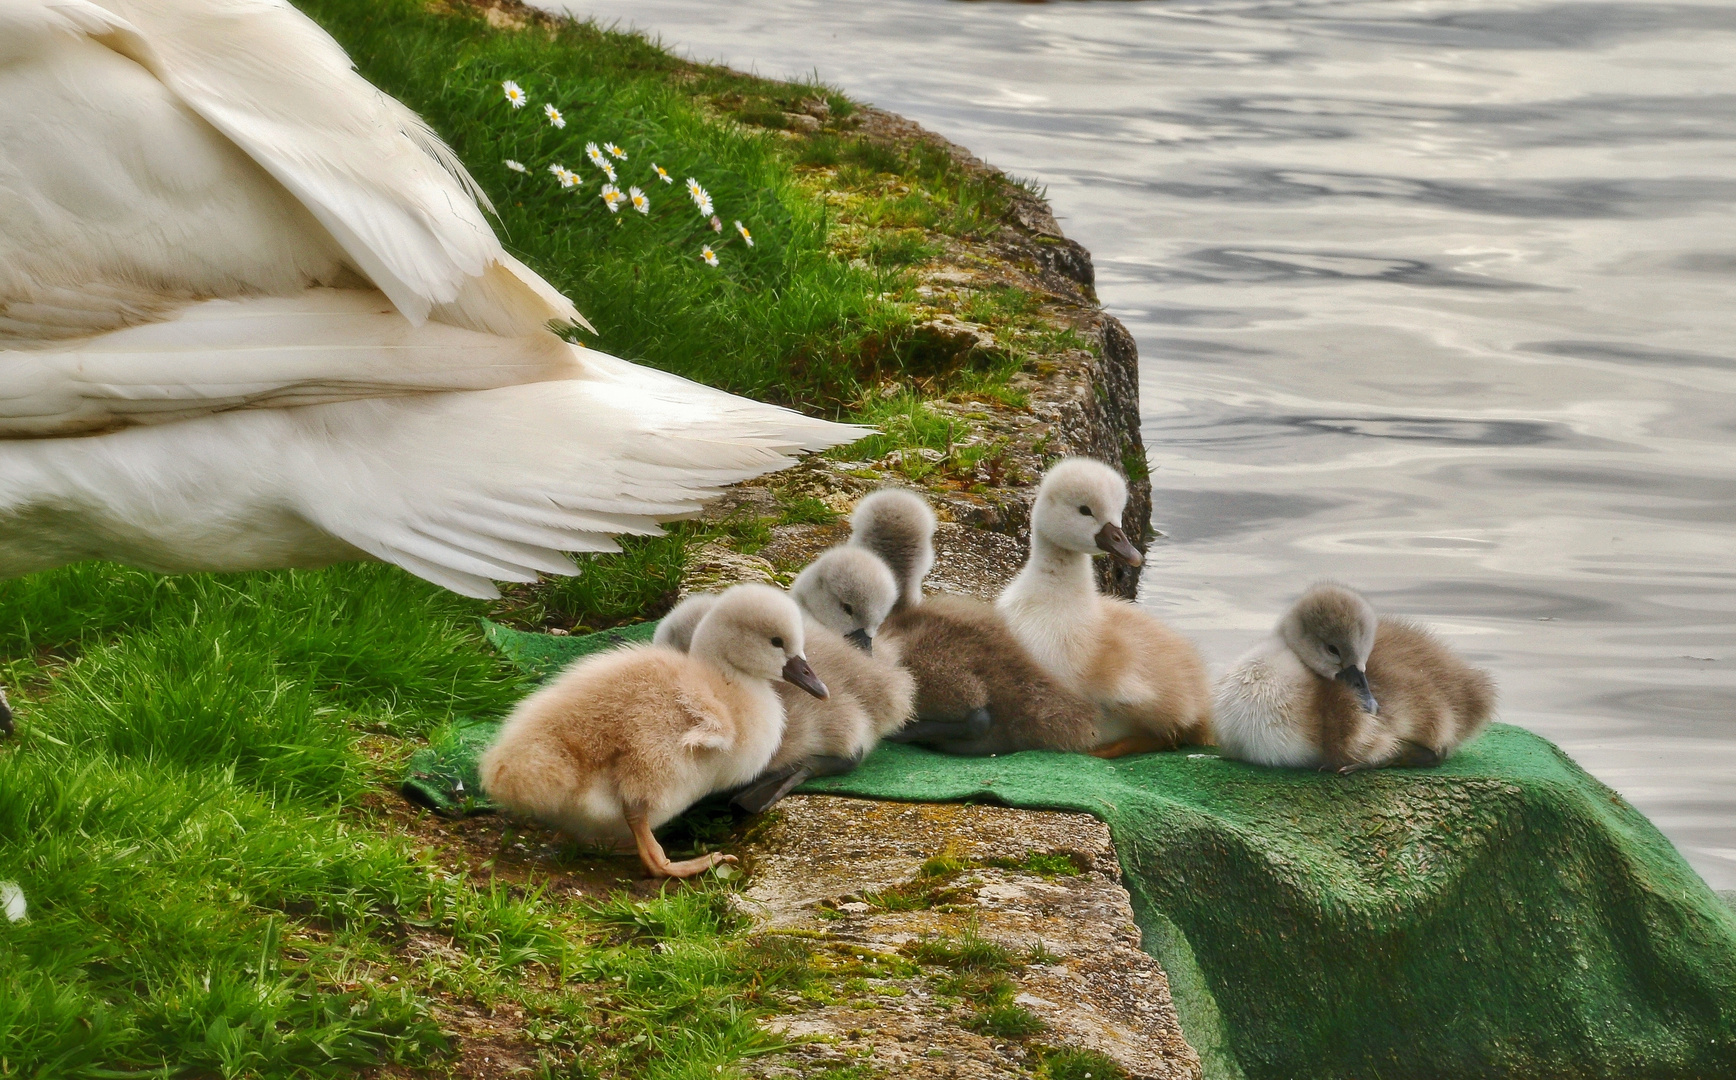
x,y
1505,915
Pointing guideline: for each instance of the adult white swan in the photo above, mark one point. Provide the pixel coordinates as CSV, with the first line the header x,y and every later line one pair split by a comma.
x,y
252,316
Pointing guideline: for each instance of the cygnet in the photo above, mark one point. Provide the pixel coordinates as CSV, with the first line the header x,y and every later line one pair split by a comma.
x,y
1334,687
1147,681
978,692
845,596
622,742
675,629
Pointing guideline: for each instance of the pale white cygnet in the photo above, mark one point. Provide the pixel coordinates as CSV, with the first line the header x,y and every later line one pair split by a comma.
x,y
978,691
676,628
621,742
1147,681
845,594
848,590
897,526
1336,687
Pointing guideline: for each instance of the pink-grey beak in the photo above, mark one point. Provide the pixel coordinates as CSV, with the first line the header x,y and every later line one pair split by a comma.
x,y
1111,539
797,671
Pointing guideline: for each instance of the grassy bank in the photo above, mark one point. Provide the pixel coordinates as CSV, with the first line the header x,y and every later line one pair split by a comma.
x,y
193,803
809,314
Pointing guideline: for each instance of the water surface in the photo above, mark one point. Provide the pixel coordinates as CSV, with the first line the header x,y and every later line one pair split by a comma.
x,y
1432,298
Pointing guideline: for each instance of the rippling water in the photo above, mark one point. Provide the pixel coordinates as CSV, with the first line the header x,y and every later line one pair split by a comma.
x,y
1433,298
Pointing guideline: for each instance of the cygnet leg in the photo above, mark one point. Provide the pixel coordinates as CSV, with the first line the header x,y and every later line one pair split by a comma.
x,y
974,726
764,793
832,764
974,736
1415,755
759,796
1142,742
651,852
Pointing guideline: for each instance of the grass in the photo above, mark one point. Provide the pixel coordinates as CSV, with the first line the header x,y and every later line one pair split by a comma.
x,y
188,803
802,316
184,808
175,809
1053,1064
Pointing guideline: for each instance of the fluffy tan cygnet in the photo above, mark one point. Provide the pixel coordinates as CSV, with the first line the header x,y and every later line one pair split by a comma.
x,y
845,595
622,742
1147,681
1336,688
978,691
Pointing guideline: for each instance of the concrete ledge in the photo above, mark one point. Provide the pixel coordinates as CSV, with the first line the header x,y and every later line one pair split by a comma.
x,y
879,881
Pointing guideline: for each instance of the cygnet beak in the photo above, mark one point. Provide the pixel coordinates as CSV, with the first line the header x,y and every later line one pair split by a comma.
x,y
1111,539
797,671
859,638
1353,677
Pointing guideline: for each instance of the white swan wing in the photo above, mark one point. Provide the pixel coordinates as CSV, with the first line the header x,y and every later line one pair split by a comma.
x,y
467,498
322,345
259,161
459,488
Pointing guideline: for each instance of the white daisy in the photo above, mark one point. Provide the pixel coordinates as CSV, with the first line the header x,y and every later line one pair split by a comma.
x,y
609,171
612,198
514,94
516,166
640,202
566,176
662,173
595,155
615,151
716,225
708,255
701,198
745,235
554,116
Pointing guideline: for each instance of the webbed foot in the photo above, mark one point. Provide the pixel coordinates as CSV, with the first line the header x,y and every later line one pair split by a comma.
x,y
974,726
1417,756
1142,743
832,765
763,794
652,855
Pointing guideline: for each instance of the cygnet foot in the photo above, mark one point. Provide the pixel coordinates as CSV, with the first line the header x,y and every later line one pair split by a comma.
x,y
975,725
974,736
1143,742
832,764
1417,756
763,794
652,855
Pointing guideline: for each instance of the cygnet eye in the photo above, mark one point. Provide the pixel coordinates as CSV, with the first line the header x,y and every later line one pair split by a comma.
x,y
778,643
848,610
1086,510
1333,649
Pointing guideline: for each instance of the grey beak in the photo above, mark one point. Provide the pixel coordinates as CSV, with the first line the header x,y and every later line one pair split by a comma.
x,y
797,671
1111,539
1353,677
861,640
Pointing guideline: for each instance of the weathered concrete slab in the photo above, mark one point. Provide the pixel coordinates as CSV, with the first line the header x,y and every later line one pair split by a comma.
x,y
907,883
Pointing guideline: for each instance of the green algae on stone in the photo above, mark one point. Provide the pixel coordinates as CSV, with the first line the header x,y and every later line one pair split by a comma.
x,y
1505,915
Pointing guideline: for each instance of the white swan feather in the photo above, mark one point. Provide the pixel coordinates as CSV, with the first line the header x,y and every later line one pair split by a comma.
x,y
252,315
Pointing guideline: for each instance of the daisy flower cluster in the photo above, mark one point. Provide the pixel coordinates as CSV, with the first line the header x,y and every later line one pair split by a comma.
x,y
603,159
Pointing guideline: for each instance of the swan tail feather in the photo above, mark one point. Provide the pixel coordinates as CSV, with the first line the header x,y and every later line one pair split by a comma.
x,y
504,483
